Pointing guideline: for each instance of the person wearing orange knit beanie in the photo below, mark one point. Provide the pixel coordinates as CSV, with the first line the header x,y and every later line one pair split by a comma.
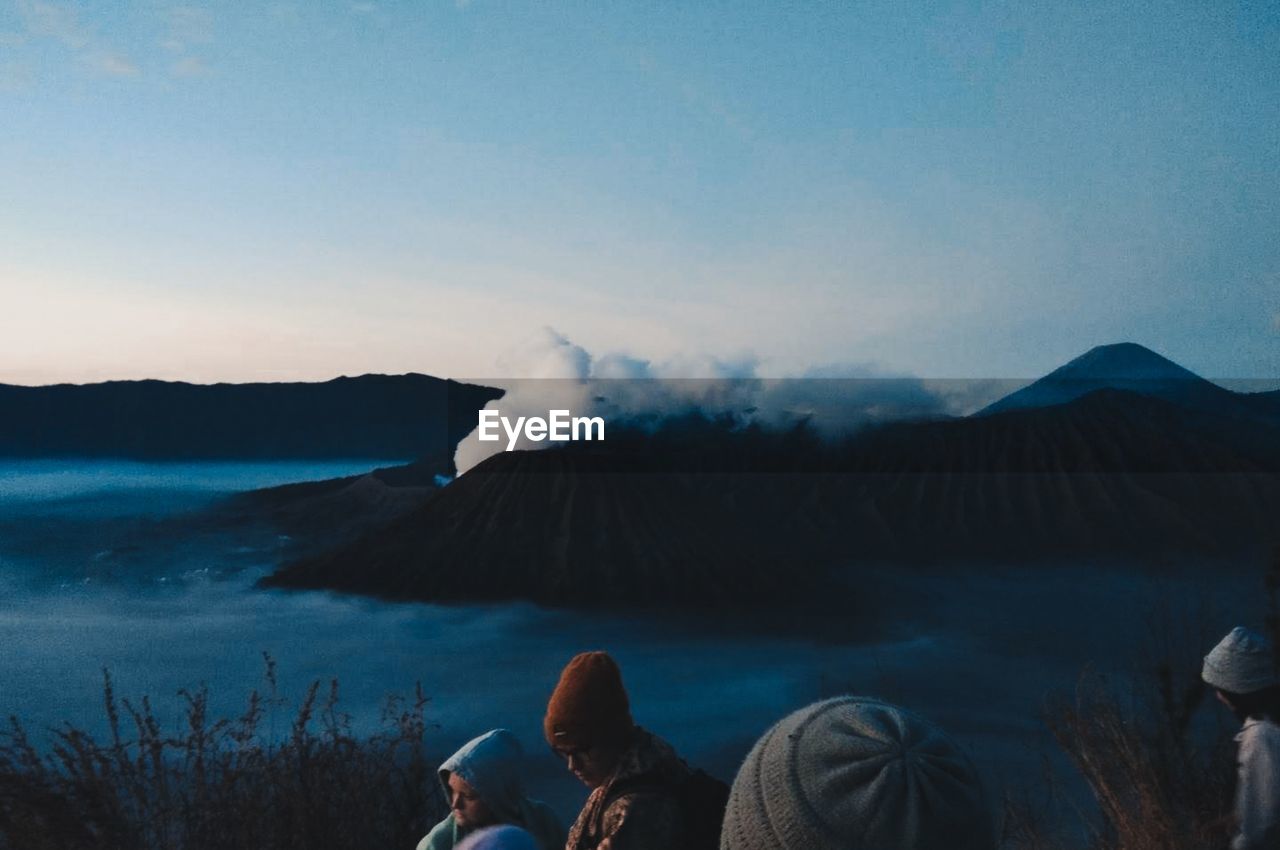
x,y
643,795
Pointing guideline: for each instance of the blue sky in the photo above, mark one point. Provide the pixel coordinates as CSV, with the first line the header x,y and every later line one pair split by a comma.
x,y
276,191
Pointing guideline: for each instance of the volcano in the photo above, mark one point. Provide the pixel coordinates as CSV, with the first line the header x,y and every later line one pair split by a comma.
x,y
571,528
723,516
1131,367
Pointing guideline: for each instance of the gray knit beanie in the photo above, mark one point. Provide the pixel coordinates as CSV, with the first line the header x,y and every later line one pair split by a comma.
x,y
1241,663
500,838
853,773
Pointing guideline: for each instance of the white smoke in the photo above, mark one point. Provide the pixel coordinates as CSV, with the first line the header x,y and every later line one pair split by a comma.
x,y
550,372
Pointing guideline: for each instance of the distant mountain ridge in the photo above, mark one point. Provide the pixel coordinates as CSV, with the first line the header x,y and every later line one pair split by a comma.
x,y
371,416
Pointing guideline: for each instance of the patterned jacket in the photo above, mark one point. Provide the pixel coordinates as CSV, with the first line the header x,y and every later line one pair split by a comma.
x,y
641,815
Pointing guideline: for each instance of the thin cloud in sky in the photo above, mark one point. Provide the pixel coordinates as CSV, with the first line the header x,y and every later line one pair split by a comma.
x,y
54,20
185,27
190,66
173,29
62,23
116,65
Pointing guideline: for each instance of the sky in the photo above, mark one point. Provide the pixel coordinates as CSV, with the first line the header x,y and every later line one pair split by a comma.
x,y
294,191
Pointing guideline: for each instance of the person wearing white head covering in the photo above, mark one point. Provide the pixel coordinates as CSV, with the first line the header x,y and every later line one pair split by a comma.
x,y
1243,671
854,772
482,784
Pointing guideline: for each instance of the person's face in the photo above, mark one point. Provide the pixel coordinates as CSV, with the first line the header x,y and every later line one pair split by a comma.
x,y
592,764
469,811
1226,700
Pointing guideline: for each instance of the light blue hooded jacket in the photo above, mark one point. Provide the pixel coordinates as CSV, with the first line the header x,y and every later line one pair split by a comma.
x,y
491,765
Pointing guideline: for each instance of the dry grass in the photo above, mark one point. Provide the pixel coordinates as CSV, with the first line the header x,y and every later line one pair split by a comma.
x,y
1157,785
1157,754
219,783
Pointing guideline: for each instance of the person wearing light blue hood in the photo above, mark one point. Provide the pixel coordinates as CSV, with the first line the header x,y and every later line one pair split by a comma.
x,y
482,784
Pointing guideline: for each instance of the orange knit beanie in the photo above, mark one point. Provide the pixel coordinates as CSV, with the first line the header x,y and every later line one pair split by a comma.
x,y
589,705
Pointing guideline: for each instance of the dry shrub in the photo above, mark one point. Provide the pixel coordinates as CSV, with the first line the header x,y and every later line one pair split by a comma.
x,y
1157,785
220,783
1156,752
1160,773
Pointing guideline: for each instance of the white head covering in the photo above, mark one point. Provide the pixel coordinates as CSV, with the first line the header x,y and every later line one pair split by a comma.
x,y
1241,663
851,773
499,838
491,765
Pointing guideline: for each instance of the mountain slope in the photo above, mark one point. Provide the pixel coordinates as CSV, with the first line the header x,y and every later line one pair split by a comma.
x,y
313,515
559,527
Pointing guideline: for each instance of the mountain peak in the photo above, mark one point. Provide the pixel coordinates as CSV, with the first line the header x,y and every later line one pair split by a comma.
x,y
1122,361
1119,366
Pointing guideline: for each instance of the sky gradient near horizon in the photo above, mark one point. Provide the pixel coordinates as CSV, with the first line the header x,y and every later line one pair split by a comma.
x,y
294,191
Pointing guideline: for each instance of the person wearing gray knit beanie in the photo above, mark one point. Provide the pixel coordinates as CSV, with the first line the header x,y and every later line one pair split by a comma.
x,y
1241,663
1242,669
856,772
500,838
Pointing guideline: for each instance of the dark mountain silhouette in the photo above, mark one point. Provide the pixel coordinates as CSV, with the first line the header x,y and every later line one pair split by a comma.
x,y
1111,473
716,516
558,527
1128,366
373,416
1267,404
318,514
